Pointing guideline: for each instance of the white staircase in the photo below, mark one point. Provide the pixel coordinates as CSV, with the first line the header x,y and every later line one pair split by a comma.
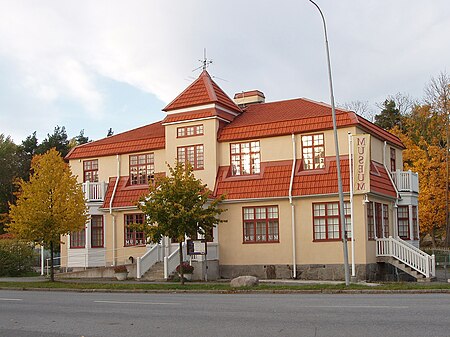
x,y
406,257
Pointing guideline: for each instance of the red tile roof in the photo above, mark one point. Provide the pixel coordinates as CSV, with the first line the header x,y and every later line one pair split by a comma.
x,y
379,180
275,178
126,195
203,113
294,116
202,91
149,137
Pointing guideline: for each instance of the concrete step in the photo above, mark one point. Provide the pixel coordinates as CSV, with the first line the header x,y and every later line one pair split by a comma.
x,y
155,273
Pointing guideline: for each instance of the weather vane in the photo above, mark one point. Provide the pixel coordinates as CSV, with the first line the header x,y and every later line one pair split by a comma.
x,y
205,62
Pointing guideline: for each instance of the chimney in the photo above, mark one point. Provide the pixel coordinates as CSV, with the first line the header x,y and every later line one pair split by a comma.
x,y
249,97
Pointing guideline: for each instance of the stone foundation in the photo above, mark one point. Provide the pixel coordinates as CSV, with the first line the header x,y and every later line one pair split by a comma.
x,y
324,272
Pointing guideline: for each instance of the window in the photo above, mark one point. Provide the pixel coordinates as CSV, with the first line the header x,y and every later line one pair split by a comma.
x,y
133,237
414,223
260,224
386,220
78,239
370,222
189,131
96,231
377,220
193,155
327,223
245,158
313,152
393,160
90,171
142,168
403,222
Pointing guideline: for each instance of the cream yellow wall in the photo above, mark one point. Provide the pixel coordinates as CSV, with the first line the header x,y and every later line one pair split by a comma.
x,y
280,148
107,166
327,252
122,253
209,141
233,251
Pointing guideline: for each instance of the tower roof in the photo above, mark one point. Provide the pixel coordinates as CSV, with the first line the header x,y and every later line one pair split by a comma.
x,y
202,91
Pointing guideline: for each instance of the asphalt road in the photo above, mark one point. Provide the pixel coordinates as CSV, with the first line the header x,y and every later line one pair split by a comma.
x,y
51,314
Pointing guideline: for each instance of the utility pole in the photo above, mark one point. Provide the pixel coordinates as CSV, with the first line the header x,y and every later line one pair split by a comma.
x,y
338,163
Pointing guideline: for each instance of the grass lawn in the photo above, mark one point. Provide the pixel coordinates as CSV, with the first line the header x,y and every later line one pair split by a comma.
x,y
223,287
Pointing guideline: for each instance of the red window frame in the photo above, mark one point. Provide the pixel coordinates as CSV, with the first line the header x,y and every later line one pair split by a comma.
x,y
131,236
78,239
403,222
370,221
393,160
90,170
259,229
142,168
190,131
414,223
386,220
313,151
192,154
326,215
379,220
97,231
245,158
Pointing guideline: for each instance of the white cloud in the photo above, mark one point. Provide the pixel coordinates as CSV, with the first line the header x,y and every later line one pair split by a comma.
x,y
62,49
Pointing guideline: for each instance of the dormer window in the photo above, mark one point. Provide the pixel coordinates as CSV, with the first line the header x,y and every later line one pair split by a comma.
x,y
90,171
393,160
191,154
190,131
245,158
313,151
142,168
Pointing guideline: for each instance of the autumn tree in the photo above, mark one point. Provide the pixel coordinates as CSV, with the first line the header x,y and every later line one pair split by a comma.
x,y
180,206
49,205
425,135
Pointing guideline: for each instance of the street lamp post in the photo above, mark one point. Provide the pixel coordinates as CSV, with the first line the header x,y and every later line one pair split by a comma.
x,y
338,163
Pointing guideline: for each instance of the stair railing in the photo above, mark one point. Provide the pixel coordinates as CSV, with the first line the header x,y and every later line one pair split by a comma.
x,y
407,254
148,260
172,261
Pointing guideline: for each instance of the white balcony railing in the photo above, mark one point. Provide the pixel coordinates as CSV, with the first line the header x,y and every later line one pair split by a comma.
x,y
406,181
94,191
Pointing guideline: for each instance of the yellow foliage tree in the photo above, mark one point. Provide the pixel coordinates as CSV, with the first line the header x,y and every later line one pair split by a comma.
x,y
425,155
51,204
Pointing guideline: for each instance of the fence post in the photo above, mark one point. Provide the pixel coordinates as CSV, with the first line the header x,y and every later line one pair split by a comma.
x,y
166,267
138,267
433,265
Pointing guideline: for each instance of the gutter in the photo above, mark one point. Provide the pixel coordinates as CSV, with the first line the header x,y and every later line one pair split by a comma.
x,y
110,210
291,184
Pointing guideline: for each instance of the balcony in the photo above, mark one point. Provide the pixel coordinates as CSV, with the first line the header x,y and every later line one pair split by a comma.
x,y
406,181
94,191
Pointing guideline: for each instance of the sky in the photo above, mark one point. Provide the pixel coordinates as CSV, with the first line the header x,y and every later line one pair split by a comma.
x,y
95,65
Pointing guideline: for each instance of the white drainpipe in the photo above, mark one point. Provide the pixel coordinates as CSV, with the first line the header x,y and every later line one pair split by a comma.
x,y
294,161
111,213
394,213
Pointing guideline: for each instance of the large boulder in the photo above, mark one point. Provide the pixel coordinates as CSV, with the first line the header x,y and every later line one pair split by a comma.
x,y
244,281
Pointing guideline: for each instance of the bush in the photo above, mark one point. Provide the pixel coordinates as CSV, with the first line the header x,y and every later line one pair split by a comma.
x,y
120,269
16,257
187,268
